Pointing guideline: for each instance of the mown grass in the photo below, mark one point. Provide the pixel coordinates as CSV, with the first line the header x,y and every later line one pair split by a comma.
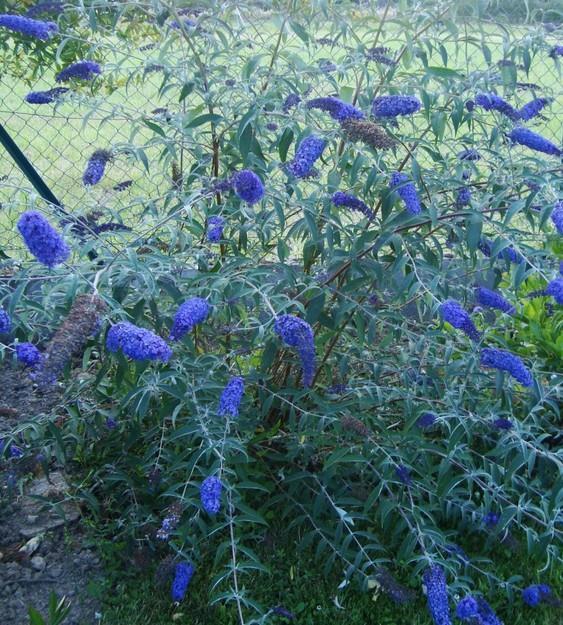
x,y
296,582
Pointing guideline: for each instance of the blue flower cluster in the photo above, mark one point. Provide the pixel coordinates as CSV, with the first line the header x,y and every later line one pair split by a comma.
x,y
189,314
50,6
533,108
45,97
229,402
535,594
309,150
404,474
426,420
508,253
557,216
534,141
28,354
490,520
556,51
137,343
345,199
215,225
95,168
452,312
210,494
407,192
506,361
290,102
182,577
395,105
555,289
503,424
338,110
493,102
492,299
437,595
42,240
29,27
477,611
248,186
83,70
463,197
297,333
5,322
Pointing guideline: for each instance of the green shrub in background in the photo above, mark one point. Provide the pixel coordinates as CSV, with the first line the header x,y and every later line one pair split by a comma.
x,y
289,331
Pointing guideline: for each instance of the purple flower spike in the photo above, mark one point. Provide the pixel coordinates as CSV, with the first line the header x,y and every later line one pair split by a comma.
x,y
530,139
231,397
42,240
189,314
137,343
82,70
215,225
452,312
437,595
28,354
309,150
297,333
337,109
5,322
350,201
182,577
555,289
493,102
210,494
395,105
407,192
492,299
29,27
506,361
248,186
557,216
45,97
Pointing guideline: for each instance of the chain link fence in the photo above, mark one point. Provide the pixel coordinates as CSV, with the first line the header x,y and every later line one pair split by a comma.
x,y
59,138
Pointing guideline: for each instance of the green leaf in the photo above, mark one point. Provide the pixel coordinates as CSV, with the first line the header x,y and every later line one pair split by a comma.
x,y
35,617
207,118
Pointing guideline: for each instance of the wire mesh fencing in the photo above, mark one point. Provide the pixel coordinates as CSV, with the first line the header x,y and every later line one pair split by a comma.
x,y
120,111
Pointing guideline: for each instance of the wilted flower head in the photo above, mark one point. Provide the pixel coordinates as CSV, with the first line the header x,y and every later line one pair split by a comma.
x,y
28,354
398,593
182,577
470,105
45,97
437,595
535,594
525,136
407,192
231,397
95,168
210,494
493,102
170,522
492,299
345,199
533,108
426,420
84,70
5,322
291,100
338,110
29,27
394,105
215,225
248,186
352,424
470,154
503,424
297,333
452,312
42,8
368,132
506,361
189,314
42,240
70,338
557,216
555,289
309,150
137,343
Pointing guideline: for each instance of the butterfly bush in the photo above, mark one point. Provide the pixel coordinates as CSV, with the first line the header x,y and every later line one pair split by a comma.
x,y
329,383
